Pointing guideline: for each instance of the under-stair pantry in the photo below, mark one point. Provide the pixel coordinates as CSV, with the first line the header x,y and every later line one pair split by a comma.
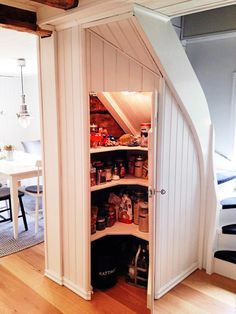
x,y
137,51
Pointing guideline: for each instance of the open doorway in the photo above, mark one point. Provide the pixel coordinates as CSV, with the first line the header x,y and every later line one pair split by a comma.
x,y
20,145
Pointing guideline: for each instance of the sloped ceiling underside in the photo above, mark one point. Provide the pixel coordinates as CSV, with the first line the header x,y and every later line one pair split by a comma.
x,y
129,109
124,36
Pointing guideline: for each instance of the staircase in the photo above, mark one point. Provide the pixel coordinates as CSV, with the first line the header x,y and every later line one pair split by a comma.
x,y
225,256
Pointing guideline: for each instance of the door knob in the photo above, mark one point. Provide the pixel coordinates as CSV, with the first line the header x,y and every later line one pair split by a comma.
x,y
162,191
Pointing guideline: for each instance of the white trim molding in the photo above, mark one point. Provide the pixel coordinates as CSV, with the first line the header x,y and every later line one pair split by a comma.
x,y
176,280
77,289
53,276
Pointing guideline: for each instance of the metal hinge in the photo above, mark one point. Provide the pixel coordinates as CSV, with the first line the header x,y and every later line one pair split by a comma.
x,y
152,192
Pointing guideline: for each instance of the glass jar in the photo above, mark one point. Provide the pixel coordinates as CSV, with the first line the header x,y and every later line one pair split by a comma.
x,y
93,178
122,170
131,162
143,217
138,198
101,223
108,174
138,168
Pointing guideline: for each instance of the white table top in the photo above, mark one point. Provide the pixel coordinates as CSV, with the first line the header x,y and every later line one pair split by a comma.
x,y
22,162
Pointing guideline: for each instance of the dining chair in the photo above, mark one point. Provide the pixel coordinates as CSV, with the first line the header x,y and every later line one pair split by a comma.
x,y
35,191
5,196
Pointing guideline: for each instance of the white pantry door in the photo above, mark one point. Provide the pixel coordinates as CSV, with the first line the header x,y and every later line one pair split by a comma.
x,y
176,196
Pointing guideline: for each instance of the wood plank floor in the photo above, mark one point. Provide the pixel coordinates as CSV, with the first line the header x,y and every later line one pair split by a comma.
x,y
24,289
200,294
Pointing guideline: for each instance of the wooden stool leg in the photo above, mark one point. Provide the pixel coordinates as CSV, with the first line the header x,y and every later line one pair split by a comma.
x,y
9,201
36,215
23,213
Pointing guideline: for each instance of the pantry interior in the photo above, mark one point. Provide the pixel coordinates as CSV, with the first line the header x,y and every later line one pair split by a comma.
x,y
121,211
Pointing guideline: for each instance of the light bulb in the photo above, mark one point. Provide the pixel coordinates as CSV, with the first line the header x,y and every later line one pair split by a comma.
x,y
24,121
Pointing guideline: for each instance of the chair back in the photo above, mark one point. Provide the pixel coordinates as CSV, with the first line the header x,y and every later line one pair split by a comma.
x,y
38,164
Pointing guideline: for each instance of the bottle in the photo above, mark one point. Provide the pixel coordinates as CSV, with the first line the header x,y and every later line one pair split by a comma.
x,y
115,173
122,170
142,267
131,163
138,168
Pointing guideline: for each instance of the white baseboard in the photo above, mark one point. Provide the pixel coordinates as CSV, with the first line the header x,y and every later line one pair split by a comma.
x,y
77,289
53,276
224,268
171,284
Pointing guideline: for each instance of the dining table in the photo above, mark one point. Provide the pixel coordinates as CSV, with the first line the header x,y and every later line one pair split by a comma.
x,y
22,166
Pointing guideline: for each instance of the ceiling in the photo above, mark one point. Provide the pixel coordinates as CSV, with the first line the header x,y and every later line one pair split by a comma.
x,y
16,45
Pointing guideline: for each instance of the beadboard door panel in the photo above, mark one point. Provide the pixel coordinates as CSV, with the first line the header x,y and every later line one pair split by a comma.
x,y
51,158
177,211
74,153
110,69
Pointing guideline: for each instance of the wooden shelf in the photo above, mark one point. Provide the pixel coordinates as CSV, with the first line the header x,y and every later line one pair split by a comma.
x,y
103,149
128,180
120,228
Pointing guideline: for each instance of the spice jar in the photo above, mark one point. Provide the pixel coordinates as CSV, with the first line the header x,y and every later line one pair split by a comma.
x,y
143,217
92,175
108,174
144,128
138,167
122,170
101,223
138,198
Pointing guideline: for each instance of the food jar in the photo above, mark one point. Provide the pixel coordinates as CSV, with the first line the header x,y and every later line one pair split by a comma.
x,y
138,198
108,174
143,217
138,167
92,175
101,223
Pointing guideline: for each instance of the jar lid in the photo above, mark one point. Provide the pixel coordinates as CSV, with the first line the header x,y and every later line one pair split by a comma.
x,y
100,219
145,124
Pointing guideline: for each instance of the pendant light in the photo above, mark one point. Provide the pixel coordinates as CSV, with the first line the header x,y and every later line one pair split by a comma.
x,y
23,116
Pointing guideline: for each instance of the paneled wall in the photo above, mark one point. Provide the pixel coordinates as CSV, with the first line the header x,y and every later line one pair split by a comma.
x,y
74,131
111,70
178,211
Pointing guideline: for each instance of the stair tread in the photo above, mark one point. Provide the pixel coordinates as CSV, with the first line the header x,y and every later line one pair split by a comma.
x,y
229,229
229,202
228,256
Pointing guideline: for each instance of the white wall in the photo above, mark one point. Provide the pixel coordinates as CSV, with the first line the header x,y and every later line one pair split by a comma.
x,y
10,99
214,62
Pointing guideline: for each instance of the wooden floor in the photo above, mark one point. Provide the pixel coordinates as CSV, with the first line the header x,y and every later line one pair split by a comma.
x,y
200,294
24,289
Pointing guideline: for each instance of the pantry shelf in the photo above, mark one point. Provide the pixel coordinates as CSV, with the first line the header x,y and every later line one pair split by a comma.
x,y
120,228
128,180
102,149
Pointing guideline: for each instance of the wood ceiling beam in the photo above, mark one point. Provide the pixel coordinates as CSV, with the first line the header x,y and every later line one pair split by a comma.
x,y
21,20
60,4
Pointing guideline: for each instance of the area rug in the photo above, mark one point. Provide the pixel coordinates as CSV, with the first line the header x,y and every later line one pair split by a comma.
x,y
26,239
